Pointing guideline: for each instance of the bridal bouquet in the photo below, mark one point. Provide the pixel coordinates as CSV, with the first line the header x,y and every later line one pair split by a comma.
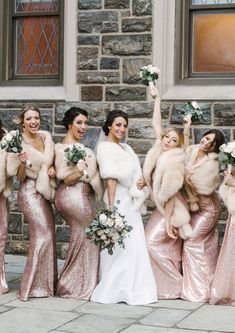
x,y
12,143
149,75
227,156
192,110
74,154
108,229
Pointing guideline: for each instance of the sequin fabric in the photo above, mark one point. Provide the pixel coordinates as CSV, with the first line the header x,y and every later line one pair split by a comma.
x,y
165,256
79,275
40,273
223,286
3,238
200,252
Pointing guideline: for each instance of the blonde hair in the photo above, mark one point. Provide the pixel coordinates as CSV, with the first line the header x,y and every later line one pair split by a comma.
x,y
20,117
177,131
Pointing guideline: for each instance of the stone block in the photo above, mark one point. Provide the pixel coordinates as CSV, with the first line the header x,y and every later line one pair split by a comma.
x,y
19,247
91,137
211,318
135,110
91,93
26,232
137,24
96,111
98,22
131,69
178,114
140,129
98,77
165,110
140,146
142,7
87,58
15,223
88,40
224,114
127,45
62,234
117,93
116,4
91,4
109,63
164,317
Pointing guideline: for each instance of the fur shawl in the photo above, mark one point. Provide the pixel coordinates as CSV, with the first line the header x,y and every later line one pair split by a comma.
x,y
121,163
164,173
41,162
63,171
204,175
227,193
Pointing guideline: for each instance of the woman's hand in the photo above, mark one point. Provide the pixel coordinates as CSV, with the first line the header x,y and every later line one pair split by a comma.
x,y
153,91
140,184
23,157
51,172
171,231
81,165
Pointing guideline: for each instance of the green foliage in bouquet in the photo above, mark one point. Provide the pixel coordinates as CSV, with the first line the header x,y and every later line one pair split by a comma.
x,y
149,74
12,142
74,154
107,229
193,110
227,155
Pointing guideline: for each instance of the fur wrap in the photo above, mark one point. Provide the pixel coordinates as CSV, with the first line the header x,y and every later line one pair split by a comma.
x,y
121,163
63,171
164,173
41,162
204,175
5,183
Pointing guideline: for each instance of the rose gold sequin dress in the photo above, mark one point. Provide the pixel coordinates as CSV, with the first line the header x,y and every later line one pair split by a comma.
x,y
165,255
200,252
223,286
3,239
41,271
80,272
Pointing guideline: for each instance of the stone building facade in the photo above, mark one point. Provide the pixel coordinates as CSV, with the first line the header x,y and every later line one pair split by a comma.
x,y
114,39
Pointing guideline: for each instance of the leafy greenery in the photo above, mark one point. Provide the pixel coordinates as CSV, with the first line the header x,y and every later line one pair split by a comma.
x,y
12,142
74,154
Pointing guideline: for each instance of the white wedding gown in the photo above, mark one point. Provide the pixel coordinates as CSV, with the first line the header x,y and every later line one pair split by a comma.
x,y
126,276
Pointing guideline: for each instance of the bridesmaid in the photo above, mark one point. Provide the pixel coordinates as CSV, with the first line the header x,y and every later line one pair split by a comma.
x,y
80,272
200,252
223,286
169,222
3,215
36,189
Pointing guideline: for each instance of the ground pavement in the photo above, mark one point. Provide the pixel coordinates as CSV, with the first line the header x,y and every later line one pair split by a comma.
x,y
57,315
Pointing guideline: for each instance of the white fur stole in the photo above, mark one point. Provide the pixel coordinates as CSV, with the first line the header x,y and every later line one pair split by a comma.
x,y
41,162
121,163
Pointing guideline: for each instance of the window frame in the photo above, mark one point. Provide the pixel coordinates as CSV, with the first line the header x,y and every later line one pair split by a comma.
x,y
183,43
7,37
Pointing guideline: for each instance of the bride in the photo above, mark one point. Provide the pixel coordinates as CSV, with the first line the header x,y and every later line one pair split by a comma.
x,y
126,276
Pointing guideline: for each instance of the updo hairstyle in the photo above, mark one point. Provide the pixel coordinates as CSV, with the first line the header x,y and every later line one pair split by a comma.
x,y
71,114
112,115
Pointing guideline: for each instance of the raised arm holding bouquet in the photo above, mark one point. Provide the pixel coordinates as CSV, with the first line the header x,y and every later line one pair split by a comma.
x,y
149,75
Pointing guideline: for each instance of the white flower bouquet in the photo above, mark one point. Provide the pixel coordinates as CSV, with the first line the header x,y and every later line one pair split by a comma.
x,y
12,143
192,110
149,75
227,156
107,229
74,154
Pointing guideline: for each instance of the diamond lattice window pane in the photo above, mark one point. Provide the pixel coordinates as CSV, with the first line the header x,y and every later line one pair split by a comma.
x,y
35,5
37,46
212,2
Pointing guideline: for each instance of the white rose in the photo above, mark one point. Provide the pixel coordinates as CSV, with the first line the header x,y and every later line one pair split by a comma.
x,y
110,222
103,237
100,232
103,219
195,105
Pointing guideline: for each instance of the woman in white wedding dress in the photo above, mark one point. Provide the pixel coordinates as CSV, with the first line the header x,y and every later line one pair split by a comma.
x,y
126,276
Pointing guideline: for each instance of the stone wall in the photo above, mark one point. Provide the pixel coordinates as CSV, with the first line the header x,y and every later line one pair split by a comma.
x,y
114,42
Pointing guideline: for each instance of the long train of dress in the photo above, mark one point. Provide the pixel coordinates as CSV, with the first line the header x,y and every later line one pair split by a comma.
x,y
223,286
79,275
40,273
3,239
126,276
200,252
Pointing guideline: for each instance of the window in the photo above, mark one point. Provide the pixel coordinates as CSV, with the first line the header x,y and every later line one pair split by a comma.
x,y
31,42
205,42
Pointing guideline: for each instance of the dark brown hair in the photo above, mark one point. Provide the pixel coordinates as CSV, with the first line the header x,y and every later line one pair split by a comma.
x,y
218,140
72,113
112,115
